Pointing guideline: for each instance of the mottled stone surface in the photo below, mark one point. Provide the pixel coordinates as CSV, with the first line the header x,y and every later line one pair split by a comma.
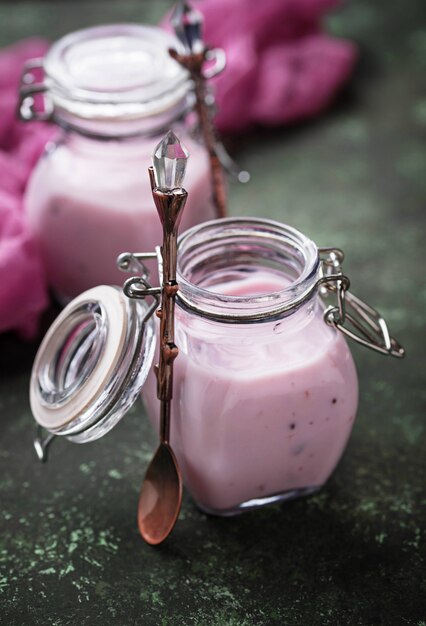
x,y
353,554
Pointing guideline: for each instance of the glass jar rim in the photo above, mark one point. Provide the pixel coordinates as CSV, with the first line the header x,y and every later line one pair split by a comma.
x,y
199,242
116,72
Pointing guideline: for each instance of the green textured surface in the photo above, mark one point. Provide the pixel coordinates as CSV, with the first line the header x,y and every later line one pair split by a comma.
x,y
354,553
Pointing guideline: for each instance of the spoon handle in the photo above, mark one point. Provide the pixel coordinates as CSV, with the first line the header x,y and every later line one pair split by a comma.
x,y
210,141
193,63
170,205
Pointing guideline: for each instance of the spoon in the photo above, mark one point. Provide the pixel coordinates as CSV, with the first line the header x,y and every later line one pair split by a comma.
x,y
188,26
161,494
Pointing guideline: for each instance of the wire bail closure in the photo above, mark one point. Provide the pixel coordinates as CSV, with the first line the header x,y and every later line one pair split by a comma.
x,y
369,328
139,287
29,88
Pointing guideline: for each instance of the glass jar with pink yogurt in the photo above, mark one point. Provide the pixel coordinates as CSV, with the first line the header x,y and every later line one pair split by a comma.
x,y
265,389
112,90
265,392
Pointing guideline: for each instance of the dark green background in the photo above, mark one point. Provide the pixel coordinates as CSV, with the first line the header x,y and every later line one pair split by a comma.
x,y
70,553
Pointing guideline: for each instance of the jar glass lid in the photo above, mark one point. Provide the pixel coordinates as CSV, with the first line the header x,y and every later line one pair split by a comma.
x,y
117,71
92,364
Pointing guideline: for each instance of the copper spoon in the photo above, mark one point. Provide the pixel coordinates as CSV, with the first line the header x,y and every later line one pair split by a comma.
x,y
161,494
188,26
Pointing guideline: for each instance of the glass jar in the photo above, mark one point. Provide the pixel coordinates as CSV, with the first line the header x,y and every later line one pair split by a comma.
x,y
265,389
265,393
113,90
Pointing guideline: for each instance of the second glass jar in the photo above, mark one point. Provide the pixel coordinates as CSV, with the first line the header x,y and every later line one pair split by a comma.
x,y
113,90
265,392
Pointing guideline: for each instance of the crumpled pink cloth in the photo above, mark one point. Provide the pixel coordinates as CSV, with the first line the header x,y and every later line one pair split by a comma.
x,y
280,66
23,291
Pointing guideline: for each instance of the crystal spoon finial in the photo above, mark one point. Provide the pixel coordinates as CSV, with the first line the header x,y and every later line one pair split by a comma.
x,y
169,161
188,26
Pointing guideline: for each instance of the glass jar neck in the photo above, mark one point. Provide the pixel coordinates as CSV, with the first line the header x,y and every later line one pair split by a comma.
x,y
121,128
116,80
246,270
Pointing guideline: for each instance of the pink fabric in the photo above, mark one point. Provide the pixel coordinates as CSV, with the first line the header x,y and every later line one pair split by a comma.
x,y
280,66
23,292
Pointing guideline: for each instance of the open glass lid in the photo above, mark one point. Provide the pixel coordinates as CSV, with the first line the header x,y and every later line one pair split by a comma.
x,y
92,363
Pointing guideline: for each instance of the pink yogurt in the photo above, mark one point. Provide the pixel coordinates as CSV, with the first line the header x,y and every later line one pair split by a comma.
x,y
88,201
260,412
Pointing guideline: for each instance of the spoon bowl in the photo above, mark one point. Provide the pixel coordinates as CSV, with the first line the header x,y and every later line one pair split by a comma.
x,y
161,496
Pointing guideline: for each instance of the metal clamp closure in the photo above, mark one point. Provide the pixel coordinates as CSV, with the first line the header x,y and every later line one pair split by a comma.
x,y
29,88
138,287
41,444
352,316
218,57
